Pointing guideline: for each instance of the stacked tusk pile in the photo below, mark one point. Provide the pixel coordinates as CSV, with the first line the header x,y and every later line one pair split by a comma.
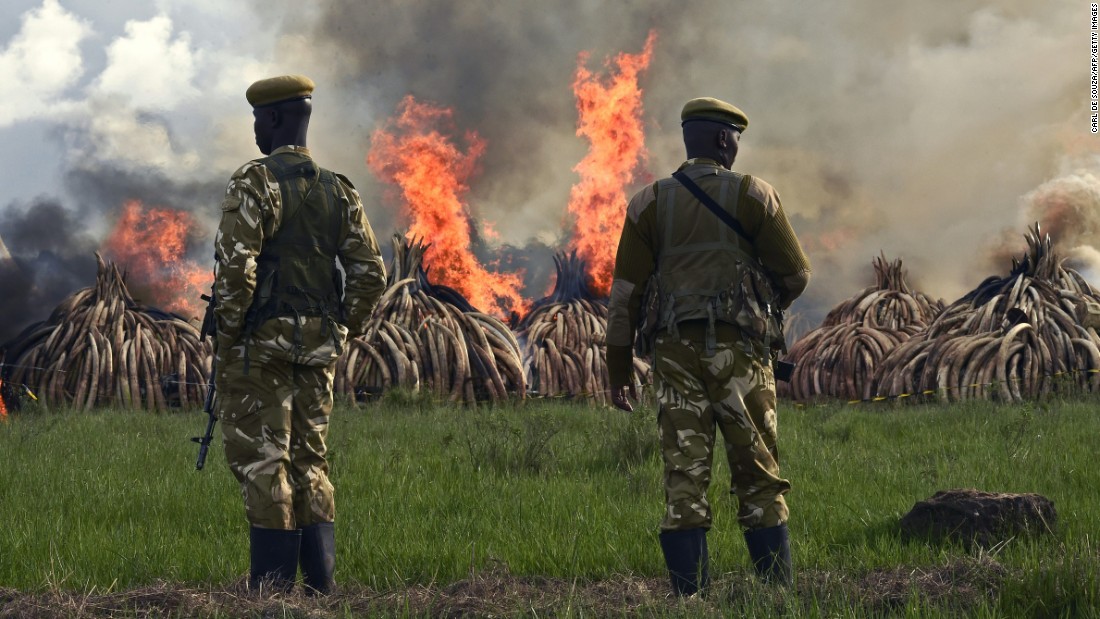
x,y
838,359
564,350
1012,338
425,336
100,346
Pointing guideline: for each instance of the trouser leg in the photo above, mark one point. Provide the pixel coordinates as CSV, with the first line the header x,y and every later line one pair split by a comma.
x,y
685,425
312,403
743,392
256,412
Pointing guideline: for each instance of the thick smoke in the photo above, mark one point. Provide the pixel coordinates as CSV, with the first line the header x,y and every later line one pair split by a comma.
x,y
883,126
52,257
1068,209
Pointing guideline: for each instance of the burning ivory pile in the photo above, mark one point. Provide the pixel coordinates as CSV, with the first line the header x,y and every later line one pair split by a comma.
x,y
427,336
564,351
839,358
99,346
1011,338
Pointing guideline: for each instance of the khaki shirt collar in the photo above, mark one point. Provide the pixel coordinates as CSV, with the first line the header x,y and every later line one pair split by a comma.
x,y
699,161
290,148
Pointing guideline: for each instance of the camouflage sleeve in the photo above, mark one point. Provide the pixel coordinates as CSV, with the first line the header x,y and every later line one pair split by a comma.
x,y
365,273
634,262
777,245
237,244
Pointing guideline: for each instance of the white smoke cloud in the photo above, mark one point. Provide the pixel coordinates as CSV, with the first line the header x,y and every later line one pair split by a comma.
x,y
121,137
1086,260
164,101
1067,208
42,61
148,68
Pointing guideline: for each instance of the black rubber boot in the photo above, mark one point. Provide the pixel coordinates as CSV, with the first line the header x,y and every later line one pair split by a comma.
x,y
687,560
274,555
318,558
770,550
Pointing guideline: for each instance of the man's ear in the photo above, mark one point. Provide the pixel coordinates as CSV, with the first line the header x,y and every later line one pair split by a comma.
x,y
270,117
724,137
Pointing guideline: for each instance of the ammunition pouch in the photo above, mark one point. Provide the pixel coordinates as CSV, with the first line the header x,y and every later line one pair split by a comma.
x,y
750,302
782,370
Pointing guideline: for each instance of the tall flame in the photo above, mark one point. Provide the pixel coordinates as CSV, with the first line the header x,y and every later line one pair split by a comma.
x,y
610,117
416,150
151,245
3,407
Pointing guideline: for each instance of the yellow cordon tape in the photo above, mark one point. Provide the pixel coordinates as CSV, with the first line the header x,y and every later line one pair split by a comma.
x,y
880,398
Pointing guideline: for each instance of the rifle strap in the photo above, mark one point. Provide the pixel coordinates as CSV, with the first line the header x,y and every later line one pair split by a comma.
x,y
711,205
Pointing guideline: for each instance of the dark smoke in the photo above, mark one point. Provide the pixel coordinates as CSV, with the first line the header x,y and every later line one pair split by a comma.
x,y
108,187
52,257
53,248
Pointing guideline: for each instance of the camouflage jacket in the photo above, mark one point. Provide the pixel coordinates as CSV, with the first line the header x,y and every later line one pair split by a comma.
x,y
250,213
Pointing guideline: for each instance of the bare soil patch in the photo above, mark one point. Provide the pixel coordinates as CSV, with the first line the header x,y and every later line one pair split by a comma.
x,y
956,585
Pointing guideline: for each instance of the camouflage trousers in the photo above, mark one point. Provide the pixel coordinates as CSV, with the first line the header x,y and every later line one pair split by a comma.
x,y
701,395
275,421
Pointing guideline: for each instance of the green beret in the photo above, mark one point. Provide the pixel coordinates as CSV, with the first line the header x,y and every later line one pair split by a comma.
x,y
709,108
278,89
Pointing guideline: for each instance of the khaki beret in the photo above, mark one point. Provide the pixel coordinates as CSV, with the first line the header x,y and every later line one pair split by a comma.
x,y
709,108
277,89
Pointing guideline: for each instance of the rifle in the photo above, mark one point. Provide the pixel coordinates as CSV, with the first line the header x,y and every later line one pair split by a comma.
x,y
208,328
782,370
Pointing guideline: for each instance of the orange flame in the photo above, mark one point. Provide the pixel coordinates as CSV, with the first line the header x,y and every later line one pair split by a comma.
x,y
610,113
3,408
150,245
416,150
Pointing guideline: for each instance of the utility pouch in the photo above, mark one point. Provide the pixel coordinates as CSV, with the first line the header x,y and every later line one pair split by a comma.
x,y
783,370
265,288
748,303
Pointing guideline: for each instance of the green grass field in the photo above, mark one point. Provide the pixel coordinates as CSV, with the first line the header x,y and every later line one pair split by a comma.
x,y
545,507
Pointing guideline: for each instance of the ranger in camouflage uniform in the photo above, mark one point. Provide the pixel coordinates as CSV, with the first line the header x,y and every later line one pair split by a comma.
x,y
714,294
283,315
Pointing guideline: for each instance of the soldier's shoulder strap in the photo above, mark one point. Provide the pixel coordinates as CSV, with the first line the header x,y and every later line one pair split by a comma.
x,y
709,202
343,179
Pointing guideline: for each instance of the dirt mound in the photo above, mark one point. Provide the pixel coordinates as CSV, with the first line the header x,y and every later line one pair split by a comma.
x,y
974,517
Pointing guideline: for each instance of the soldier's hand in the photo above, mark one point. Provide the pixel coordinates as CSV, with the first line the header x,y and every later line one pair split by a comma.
x,y
619,394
